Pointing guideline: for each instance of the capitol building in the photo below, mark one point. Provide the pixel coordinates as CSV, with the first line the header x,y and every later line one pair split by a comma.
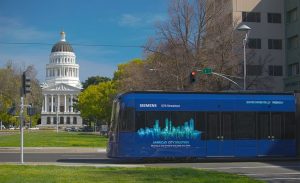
x,y
61,87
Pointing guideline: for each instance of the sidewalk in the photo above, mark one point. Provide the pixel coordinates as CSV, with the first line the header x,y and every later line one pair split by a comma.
x,y
52,150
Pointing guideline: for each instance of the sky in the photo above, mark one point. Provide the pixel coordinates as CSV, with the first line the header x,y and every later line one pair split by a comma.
x,y
100,22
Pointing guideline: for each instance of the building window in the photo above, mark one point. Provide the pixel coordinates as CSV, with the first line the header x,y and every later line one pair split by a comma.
x,y
254,43
275,44
68,120
74,120
274,18
251,17
291,16
49,99
62,108
293,42
293,69
275,70
54,120
254,70
61,120
48,120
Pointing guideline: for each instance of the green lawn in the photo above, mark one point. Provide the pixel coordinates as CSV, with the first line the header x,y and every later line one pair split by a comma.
x,y
45,174
47,138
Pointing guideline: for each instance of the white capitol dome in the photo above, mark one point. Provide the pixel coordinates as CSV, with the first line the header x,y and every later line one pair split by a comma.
x,y
62,67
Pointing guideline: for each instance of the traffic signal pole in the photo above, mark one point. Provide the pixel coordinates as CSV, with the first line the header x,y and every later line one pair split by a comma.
x,y
24,89
224,76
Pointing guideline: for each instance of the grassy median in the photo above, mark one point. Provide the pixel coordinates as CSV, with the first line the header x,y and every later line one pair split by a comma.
x,y
45,174
49,138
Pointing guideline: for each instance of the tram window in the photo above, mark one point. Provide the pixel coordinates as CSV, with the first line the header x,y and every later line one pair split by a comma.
x,y
227,119
161,116
139,120
127,119
213,125
115,115
277,125
290,126
245,125
263,125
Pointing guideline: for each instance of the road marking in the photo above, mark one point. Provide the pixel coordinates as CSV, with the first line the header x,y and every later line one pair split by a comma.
x,y
79,155
279,178
252,167
253,174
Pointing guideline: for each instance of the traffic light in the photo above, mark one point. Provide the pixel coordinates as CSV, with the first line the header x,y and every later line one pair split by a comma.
x,y
193,76
31,111
26,85
12,110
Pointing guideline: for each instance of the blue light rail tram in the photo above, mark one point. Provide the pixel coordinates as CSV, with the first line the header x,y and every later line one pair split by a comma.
x,y
201,125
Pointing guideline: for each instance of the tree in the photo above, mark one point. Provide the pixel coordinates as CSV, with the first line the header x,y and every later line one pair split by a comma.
x,y
94,80
178,47
95,102
132,76
199,34
183,45
10,83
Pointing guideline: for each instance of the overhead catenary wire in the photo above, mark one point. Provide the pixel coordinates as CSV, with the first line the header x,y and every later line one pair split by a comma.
x,y
74,44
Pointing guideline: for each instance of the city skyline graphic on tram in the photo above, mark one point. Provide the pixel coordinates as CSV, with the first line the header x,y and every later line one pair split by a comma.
x,y
186,131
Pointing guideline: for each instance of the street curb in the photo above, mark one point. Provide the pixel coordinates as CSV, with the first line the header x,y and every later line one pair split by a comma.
x,y
52,150
72,164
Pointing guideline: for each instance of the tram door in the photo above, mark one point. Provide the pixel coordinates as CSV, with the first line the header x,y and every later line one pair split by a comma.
x,y
270,134
219,137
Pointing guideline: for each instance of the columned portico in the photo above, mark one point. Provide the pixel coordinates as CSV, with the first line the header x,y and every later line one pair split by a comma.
x,y
62,85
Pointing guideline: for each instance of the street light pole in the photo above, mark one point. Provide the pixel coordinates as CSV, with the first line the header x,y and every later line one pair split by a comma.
x,y
246,29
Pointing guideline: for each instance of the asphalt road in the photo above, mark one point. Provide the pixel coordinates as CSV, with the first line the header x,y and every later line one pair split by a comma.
x,y
271,171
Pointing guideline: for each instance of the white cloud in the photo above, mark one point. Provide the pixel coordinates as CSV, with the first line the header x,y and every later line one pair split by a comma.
x,y
129,20
141,20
